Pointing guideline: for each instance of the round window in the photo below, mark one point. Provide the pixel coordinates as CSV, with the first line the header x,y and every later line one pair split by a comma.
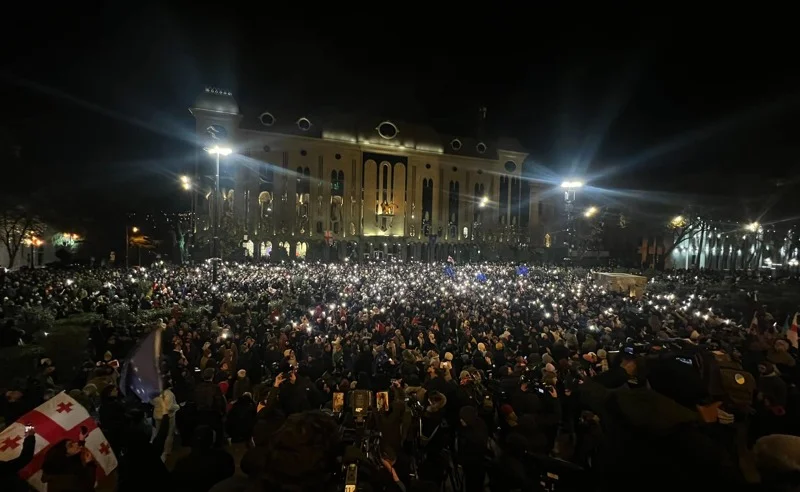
x,y
267,119
304,124
427,166
455,144
338,156
510,166
481,147
267,148
387,130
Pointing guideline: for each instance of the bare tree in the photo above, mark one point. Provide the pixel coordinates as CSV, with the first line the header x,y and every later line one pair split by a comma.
x,y
18,223
683,227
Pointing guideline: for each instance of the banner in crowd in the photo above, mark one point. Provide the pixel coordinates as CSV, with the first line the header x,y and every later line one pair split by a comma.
x,y
140,374
55,420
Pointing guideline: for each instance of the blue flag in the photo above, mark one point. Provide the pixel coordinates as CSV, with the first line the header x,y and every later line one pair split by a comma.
x,y
480,277
522,270
448,270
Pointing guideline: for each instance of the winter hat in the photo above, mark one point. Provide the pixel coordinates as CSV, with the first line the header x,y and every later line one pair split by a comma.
x,y
107,356
448,356
506,410
549,367
241,373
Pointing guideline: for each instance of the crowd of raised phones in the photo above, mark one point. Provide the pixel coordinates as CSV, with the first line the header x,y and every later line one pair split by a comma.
x,y
484,377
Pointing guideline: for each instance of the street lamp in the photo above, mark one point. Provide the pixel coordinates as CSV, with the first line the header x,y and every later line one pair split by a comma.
x,y
187,185
570,186
134,230
215,252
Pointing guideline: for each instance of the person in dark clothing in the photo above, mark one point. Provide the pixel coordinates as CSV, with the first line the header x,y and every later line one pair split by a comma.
x,y
204,466
69,467
112,416
139,454
10,468
651,434
473,438
241,419
210,404
14,403
436,381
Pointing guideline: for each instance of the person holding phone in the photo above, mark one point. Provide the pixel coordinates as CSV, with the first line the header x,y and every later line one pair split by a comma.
x,y
9,469
69,466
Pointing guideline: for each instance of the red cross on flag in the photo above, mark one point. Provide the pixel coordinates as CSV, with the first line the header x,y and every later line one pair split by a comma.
x,y
328,237
57,419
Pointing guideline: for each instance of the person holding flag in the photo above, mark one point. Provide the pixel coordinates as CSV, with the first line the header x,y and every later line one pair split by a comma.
x,y
70,451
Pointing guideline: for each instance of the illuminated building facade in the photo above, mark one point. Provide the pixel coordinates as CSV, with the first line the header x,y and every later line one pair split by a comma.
x,y
336,187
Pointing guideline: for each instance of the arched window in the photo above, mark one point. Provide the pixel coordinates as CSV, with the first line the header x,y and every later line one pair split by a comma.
x,y
386,170
477,199
337,183
427,205
503,199
452,209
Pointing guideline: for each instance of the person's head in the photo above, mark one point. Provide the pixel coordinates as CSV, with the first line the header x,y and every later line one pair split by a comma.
x,y
14,395
71,448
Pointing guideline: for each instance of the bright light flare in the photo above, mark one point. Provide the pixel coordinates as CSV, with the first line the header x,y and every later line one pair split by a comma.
x,y
219,150
572,184
590,212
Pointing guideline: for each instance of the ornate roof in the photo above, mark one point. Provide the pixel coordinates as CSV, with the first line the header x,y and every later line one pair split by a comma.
x,y
216,100
380,130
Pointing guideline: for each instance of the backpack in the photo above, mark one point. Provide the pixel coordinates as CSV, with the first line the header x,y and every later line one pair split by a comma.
x,y
738,384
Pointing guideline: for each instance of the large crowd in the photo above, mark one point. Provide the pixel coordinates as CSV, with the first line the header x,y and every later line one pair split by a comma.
x,y
424,376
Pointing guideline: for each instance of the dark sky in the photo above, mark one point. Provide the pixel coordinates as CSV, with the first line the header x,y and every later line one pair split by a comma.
x,y
672,102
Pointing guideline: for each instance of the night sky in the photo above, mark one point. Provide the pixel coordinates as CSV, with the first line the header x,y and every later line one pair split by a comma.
x,y
98,98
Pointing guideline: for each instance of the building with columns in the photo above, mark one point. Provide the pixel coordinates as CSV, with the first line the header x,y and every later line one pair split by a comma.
x,y
340,187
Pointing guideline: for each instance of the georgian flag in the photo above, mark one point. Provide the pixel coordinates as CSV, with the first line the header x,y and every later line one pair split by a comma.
x,y
59,418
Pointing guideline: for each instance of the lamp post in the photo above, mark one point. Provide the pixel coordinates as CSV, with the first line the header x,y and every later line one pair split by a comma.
x,y
186,184
570,186
134,230
215,250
